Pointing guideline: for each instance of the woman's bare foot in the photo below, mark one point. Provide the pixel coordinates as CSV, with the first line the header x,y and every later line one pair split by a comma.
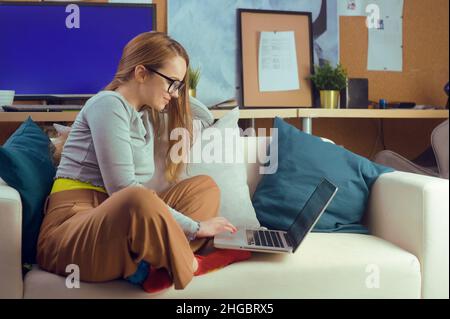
x,y
195,264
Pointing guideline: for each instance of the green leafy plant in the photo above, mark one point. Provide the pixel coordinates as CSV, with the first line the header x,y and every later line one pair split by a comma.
x,y
194,77
328,78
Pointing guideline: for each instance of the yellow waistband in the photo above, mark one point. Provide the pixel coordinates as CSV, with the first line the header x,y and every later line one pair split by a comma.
x,y
64,184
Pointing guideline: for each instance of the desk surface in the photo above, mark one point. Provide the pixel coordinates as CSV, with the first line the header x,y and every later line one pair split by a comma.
x,y
366,113
257,114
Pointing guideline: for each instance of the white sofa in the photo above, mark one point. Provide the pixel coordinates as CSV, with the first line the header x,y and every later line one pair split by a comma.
x,y
405,257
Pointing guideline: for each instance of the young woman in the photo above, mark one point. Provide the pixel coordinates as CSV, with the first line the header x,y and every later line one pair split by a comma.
x,y
98,216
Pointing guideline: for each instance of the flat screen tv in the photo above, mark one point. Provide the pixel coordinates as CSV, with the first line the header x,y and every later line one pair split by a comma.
x,y
66,49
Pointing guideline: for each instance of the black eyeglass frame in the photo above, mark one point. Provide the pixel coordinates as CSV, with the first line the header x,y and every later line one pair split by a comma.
x,y
175,85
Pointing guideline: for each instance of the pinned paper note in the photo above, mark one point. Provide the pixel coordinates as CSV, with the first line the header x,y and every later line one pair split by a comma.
x,y
386,37
278,65
385,46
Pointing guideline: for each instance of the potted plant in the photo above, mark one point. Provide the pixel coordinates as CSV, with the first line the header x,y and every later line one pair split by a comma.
x,y
194,78
329,81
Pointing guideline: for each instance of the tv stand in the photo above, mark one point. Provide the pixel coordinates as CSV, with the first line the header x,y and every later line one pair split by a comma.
x,y
54,99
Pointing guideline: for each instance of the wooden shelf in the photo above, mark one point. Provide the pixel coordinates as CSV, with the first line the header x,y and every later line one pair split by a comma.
x,y
380,114
259,113
38,116
14,117
70,116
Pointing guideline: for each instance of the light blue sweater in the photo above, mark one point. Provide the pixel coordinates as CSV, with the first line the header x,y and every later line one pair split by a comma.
x,y
111,145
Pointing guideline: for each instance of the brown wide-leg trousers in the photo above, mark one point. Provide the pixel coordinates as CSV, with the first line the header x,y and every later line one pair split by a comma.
x,y
107,237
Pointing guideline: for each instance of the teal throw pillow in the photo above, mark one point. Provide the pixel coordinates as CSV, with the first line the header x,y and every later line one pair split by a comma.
x,y
303,160
26,165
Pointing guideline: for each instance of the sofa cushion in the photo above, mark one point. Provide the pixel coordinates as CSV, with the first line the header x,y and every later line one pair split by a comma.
x,y
201,112
226,166
26,165
325,266
303,160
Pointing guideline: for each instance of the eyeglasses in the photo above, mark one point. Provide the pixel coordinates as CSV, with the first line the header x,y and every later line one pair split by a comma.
x,y
174,85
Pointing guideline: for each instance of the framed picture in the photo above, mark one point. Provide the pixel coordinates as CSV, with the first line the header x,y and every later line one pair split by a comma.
x,y
277,58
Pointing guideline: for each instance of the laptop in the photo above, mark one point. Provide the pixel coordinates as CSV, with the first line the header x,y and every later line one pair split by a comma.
x,y
276,241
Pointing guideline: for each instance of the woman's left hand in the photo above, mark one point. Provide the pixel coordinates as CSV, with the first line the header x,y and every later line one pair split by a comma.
x,y
214,226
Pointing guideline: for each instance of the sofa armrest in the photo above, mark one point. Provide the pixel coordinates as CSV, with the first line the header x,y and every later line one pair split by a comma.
x,y
412,212
11,282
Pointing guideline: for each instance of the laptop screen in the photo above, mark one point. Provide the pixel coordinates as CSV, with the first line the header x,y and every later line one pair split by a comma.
x,y
311,212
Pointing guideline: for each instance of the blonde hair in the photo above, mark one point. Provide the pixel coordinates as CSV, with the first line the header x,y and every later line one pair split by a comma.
x,y
154,49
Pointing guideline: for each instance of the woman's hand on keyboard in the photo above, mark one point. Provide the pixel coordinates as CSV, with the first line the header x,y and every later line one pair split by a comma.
x,y
214,226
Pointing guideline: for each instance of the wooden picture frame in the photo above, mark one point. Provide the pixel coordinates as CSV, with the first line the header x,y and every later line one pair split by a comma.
x,y
251,23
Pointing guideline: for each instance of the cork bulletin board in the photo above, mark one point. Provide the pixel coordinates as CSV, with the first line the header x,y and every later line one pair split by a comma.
x,y
425,55
252,23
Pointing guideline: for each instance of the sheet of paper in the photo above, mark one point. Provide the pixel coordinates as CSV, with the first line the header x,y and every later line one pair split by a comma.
x,y
393,8
385,46
278,67
352,8
386,37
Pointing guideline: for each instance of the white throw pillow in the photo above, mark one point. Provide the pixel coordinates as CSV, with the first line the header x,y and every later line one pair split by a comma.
x,y
201,112
61,129
228,170
2,182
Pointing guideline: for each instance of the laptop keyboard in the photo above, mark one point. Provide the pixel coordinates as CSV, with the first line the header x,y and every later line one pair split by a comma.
x,y
266,238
